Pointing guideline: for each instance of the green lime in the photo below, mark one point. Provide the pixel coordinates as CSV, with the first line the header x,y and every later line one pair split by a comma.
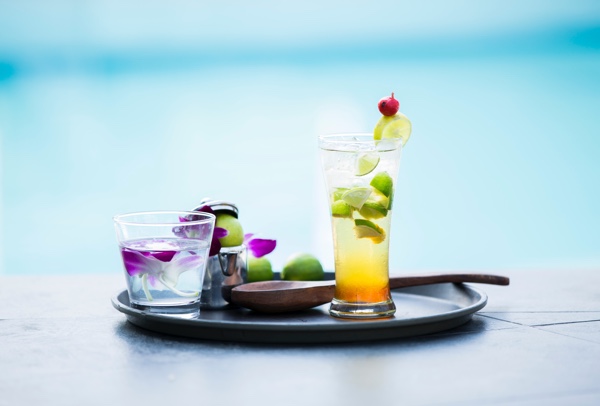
x,y
234,229
384,183
357,196
341,209
368,229
366,163
302,267
259,269
373,210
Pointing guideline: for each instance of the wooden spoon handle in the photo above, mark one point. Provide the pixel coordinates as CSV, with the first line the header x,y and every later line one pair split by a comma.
x,y
285,296
418,280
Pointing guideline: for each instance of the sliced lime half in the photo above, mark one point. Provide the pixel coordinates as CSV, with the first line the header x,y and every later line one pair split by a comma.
x,y
397,126
400,128
366,163
380,126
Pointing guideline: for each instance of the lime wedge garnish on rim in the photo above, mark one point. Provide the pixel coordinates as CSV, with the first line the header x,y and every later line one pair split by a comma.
x,y
366,163
397,126
384,183
368,229
380,126
357,196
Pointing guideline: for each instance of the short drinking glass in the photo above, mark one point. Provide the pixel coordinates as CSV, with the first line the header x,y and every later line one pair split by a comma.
x,y
164,257
360,175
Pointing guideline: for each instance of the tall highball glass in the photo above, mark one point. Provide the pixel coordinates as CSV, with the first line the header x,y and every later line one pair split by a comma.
x,y
360,176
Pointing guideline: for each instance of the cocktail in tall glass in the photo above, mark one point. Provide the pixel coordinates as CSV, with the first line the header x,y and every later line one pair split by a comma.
x,y
361,171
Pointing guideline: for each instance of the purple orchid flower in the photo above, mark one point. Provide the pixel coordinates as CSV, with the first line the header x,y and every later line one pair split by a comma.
x,y
160,266
259,247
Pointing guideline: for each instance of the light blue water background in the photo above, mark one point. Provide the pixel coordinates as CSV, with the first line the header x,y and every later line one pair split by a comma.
x,y
107,109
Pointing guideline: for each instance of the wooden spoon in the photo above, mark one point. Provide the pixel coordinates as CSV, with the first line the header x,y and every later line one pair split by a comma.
x,y
288,296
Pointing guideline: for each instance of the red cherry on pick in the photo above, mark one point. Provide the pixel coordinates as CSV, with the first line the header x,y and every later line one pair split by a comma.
x,y
388,106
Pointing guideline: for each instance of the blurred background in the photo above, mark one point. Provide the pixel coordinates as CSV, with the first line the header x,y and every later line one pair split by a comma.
x,y
109,107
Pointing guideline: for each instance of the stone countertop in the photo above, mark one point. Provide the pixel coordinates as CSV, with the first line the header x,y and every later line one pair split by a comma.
x,y
536,342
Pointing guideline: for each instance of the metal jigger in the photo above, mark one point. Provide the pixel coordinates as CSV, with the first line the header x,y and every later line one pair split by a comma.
x,y
225,270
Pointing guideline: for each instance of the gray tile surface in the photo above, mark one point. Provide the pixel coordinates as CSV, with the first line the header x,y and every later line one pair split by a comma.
x,y
58,296
543,318
69,347
547,291
589,331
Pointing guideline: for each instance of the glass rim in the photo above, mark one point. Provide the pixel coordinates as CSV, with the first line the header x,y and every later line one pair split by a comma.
x,y
121,219
333,137
357,142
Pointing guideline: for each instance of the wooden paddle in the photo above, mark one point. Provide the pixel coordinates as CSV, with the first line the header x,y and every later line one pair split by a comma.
x,y
288,296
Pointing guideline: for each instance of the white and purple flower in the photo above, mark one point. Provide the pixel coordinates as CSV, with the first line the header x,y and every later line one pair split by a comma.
x,y
160,266
259,247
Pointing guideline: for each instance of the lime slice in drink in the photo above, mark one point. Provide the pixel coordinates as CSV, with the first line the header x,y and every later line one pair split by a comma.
x,y
379,197
338,193
397,126
373,210
341,209
357,196
383,182
366,163
368,229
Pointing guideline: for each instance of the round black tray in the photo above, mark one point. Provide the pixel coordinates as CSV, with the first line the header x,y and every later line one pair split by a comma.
x,y
420,310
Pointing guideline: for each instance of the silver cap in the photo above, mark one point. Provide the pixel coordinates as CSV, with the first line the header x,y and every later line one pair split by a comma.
x,y
219,206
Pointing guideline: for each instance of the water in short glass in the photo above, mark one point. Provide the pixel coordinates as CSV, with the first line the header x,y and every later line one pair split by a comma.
x,y
164,258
